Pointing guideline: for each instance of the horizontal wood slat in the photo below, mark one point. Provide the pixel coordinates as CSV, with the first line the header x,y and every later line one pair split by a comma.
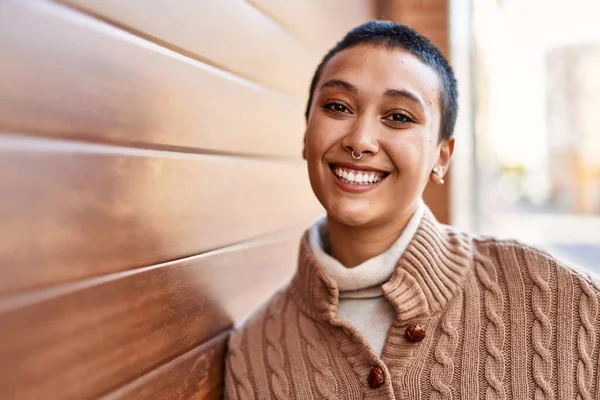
x,y
108,332
63,74
198,374
329,20
229,33
73,210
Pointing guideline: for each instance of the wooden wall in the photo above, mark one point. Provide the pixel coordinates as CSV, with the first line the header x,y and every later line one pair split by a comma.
x,y
152,185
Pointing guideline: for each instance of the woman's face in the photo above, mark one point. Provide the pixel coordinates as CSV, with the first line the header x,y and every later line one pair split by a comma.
x,y
384,104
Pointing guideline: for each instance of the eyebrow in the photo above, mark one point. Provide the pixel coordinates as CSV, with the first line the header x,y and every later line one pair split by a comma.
x,y
392,93
337,83
407,95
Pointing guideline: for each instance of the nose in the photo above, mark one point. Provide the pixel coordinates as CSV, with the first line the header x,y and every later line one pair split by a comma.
x,y
362,138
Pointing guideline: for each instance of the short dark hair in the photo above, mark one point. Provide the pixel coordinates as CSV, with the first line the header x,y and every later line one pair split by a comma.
x,y
391,35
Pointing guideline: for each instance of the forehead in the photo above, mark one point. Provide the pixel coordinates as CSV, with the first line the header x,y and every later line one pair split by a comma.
x,y
374,69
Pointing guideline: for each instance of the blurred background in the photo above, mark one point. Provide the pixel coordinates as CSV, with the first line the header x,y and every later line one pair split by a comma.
x,y
152,186
537,125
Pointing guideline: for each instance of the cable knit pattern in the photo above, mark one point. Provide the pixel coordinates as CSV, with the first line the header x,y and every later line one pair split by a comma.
x,y
541,303
443,370
275,355
588,309
230,385
502,321
238,367
324,379
494,329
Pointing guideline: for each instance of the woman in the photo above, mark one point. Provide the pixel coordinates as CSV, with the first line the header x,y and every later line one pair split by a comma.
x,y
387,303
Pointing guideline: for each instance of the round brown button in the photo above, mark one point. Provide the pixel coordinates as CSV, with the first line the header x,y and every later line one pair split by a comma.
x,y
415,333
376,377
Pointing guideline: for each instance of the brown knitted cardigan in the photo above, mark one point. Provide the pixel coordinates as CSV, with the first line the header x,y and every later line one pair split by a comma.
x,y
503,321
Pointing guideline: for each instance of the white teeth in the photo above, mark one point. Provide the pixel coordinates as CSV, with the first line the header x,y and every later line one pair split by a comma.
x,y
355,177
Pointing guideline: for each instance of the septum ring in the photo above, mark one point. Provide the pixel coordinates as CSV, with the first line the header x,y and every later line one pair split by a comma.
x,y
355,157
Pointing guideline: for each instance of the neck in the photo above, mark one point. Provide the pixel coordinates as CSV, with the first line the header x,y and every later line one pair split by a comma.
x,y
352,246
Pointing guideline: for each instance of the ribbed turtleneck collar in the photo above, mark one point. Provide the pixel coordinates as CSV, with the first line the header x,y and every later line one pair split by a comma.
x,y
364,280
429,273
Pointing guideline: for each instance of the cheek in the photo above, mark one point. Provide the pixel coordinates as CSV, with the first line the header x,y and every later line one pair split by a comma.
x,y
316,146
322,134
409,153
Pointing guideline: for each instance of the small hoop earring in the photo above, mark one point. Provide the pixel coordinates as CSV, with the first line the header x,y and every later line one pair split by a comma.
x,y
355,157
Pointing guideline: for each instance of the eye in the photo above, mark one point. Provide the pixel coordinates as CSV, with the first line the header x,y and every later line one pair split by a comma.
x,y
399,118
337,108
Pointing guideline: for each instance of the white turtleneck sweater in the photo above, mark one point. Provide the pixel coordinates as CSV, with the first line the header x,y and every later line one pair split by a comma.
x,y
361,299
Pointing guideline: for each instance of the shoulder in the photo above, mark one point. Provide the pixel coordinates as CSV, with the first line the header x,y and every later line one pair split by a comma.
x,y
513,256
262,321
256,345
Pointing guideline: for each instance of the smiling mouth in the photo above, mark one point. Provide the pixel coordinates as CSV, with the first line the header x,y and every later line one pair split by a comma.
x,y
356,176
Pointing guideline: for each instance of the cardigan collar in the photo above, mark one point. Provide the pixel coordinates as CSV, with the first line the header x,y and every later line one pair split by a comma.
x,y
364,280
428,275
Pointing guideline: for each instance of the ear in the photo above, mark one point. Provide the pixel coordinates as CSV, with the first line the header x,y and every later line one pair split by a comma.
x,y
445,155
304,147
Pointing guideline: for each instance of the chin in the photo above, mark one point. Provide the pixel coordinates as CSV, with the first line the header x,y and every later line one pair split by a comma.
x,y
350,214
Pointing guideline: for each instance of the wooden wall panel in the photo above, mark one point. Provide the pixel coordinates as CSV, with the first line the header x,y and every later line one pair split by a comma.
x,y
231,34
74,210
109,331
198,374
63,74
319,22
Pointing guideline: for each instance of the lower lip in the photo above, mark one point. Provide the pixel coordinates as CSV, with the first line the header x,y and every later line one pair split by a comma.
x,y
352,188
